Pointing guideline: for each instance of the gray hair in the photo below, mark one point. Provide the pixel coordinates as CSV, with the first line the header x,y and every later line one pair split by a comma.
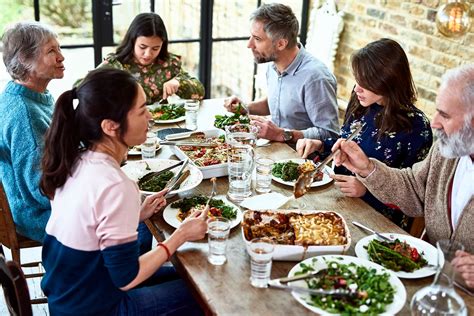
x,y
462,79
279,22
22,43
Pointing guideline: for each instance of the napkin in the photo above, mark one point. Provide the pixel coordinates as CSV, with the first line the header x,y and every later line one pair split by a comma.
x,y
267,201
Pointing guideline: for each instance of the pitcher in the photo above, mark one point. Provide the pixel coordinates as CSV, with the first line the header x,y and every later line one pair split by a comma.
x,y
242,133
241,158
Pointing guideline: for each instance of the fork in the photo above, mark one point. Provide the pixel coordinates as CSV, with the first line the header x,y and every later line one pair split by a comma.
x,y
213,191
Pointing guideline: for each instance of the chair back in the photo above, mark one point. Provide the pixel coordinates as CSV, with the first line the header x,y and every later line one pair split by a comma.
x,y
8,235
15,288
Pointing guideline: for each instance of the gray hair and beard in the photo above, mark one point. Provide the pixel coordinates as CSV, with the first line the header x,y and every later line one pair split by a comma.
x,y
459,144
264,59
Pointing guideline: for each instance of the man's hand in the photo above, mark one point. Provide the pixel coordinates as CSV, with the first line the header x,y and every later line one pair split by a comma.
x,y
152,204
352,157
463,263
231,104
306,146
170,87
267,129
349,185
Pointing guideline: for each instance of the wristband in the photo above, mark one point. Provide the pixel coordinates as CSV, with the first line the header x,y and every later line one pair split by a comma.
x,y
370,173
166,249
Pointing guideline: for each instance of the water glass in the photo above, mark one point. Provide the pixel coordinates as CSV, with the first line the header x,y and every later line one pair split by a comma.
x,y
240,163
261,252
191,107
242,133
148,148
218,229
264,174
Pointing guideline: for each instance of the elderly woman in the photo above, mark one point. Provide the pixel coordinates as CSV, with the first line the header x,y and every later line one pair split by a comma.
x,y
33,58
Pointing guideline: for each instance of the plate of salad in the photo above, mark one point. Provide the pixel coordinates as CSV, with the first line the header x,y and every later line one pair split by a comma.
x,y
176,212
407,256
168,113
286,172
221,121
379,290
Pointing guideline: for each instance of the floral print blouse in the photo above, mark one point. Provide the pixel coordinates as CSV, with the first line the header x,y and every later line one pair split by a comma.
x,y
395,149
152,77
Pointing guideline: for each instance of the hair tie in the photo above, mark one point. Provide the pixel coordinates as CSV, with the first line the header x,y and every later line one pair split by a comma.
x,y
75,100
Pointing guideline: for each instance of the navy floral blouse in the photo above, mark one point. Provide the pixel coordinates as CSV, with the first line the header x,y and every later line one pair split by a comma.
x,y
395,149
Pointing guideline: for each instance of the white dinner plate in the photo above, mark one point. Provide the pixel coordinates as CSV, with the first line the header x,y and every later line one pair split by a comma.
x,y
176,120
135,152
170,214
428,251
400,294
326,179
137,169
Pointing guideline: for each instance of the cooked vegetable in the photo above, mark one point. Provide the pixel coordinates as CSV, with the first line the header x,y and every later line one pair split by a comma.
x,y
168,112
287,171
156,183
223,120
218,207
374,289
396,255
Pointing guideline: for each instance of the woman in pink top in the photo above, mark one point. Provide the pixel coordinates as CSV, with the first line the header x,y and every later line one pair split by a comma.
x,y
90,252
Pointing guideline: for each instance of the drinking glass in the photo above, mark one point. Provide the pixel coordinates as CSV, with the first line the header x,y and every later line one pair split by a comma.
x,y
240,164
261,253
264,174
191,107
440,298
242,133
148,148
218,229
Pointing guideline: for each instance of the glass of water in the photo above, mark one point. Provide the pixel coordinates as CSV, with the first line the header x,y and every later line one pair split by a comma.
x,y
261,253
240,164
191,107
148,148
264,174
218,229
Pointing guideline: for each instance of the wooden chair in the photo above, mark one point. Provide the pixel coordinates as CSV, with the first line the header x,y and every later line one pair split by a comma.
x,y
15,289
14,241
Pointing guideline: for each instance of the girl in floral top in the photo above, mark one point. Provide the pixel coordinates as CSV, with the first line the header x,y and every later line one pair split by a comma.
x,y
144,53
395,131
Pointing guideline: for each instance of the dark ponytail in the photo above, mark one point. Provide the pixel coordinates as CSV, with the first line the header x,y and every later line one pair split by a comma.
x,y
76,124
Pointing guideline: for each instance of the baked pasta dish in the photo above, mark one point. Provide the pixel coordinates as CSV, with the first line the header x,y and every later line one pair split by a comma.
x,y
292,228
207,156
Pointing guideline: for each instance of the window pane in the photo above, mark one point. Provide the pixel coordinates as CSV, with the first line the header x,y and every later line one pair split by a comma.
x,y
232,70
189,53
15,11
182,18
231,18
295,5
123,14
72,20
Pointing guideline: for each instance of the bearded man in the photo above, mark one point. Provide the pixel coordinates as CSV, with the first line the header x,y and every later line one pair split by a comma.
x,y
301,89
441,187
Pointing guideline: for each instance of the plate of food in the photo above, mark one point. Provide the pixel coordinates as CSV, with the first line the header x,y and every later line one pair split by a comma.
x,y
137,150
286,172
176,212
407,256
298,234
221,121
136,170
167,113
380,291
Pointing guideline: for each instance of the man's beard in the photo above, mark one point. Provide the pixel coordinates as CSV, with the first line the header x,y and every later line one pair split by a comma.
x,y
264,59
457,145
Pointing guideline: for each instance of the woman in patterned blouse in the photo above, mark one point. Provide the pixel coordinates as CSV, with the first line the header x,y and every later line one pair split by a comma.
x,y
144,53
395,131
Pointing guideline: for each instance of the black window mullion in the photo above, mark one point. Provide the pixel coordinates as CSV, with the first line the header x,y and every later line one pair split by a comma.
x,y
205,52
304,22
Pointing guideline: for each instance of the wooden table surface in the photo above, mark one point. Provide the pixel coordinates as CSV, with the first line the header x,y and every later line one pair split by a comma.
x,y
226,290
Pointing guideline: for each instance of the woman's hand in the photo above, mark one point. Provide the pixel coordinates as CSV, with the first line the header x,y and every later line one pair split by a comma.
x,y
152,204
231,104
463,263
170,87
352,157
349,185
195,226
306,146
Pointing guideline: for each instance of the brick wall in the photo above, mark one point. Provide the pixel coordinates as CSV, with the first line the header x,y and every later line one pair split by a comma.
x,y
412,24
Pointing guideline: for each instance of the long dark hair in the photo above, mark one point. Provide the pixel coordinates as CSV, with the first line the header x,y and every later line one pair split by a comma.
x,y
144,24
382,67
105,93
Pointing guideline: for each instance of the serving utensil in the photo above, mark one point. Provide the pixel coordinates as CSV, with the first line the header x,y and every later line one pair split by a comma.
x,y
297,277
177,136
152,174
173,181
321,292
304,181
390,239
197,144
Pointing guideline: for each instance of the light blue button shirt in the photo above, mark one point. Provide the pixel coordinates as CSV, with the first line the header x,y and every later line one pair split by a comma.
x,y
303,97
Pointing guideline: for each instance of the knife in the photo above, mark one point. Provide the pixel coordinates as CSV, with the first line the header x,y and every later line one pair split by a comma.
x,y
195,144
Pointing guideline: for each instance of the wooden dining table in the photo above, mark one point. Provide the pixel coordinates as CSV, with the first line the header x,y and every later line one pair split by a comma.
x,y
226,289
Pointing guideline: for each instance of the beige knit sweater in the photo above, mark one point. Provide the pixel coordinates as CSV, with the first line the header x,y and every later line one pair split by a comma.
x,y
423,191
